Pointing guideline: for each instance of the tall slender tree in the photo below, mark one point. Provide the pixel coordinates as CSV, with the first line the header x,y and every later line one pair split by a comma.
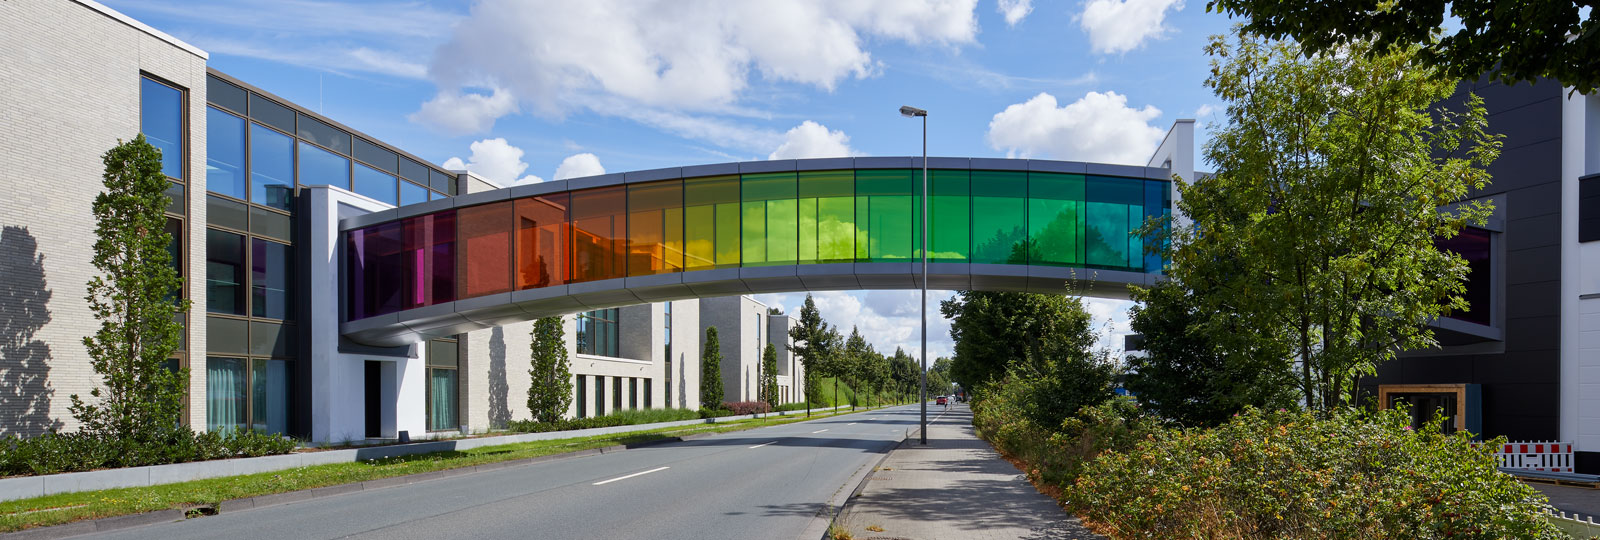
x,y
136,297
711,371
769,375
550,389
812,345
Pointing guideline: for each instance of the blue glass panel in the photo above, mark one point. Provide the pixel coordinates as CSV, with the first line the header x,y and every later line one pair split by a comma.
x,y
412,194
1155,204
271,168
225,153
320,167
375,184
161,121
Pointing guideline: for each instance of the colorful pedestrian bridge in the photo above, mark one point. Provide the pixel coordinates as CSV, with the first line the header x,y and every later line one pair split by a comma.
x,y
485,259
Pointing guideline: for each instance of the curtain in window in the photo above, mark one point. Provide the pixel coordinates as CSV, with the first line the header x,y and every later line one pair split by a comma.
x,y
442,406
224,394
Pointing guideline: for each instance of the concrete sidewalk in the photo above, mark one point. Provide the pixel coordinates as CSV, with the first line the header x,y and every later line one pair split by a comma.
x,y
955,487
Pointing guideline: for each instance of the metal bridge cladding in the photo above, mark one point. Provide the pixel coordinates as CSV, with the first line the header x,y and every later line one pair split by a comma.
x,y
485,259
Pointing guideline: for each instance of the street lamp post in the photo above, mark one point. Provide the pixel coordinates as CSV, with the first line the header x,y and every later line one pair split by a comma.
x,y
912,112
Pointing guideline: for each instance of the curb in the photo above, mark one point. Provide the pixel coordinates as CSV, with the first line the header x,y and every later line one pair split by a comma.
x,y
78,528
839,503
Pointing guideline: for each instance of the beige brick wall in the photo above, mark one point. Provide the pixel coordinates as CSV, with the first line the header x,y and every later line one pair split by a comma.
x,y
69,90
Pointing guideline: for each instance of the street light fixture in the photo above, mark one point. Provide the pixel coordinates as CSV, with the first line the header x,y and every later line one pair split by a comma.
x,y
913,112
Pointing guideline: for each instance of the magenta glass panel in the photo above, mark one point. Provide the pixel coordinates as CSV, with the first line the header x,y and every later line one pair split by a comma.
x,y
430,253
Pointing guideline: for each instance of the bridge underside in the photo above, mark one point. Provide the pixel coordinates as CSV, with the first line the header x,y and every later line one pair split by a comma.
x,y
414,325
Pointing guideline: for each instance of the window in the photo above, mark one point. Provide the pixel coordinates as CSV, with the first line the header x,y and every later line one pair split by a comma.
x,y
225,263
616,394
1589,208
597,332
1473,245
599,395
271,279
647,393
412,194
243,392
320,167
225,153
161,122
633,392
271,168
443,366
372,183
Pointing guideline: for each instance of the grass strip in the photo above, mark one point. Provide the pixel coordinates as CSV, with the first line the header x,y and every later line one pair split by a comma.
x,y
69,507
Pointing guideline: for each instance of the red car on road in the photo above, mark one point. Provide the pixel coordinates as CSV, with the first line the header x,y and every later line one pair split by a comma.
x,y
942,401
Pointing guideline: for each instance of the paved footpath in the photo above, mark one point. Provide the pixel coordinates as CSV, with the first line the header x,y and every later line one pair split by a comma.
x,y
955,487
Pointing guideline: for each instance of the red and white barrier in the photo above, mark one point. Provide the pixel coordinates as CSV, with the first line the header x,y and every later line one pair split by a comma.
x,y
1544,456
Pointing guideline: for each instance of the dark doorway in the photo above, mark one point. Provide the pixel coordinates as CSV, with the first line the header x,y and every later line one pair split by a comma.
x,y
1424,405
374,399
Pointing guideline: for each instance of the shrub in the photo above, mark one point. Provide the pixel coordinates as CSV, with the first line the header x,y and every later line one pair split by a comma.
x,y
797,407
741,408
620,418
1005,415
1294,475
715,413
53,453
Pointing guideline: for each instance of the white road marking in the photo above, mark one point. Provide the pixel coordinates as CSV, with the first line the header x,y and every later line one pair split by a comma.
x,y
851,424
762,444
819,431
604,482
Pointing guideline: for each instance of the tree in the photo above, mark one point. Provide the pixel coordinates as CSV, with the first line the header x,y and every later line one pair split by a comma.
x,y
993,329
136,297
904,373
853,364
1510,41
1336,174
812,345
1200,374
711,371
550,389
769,375
774,311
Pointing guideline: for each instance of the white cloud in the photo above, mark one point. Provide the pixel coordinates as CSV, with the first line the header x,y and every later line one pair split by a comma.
x,y
496,160
1098,128
1118,26
1014,10
460,113
813,140
1204,110
578,166
676,55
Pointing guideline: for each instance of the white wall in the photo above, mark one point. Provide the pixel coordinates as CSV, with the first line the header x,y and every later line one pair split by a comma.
x,y
1580,277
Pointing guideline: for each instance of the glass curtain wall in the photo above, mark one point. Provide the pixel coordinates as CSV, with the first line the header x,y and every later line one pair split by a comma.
x,y
811,217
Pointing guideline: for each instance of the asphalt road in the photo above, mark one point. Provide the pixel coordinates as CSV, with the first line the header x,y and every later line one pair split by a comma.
x,y
761,483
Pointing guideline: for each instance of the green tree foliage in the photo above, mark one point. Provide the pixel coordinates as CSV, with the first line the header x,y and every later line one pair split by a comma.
x,y
852,364
904,371
1199,374
1511,41
1335,175
711,371
814,345
135,298
993,329
769,375
550,390
939,376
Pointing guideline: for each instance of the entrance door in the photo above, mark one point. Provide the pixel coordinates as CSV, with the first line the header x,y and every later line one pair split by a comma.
x,y
374,399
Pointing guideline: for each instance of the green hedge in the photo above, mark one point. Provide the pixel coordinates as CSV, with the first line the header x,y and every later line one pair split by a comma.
x,y
52,452
620,418
1294,475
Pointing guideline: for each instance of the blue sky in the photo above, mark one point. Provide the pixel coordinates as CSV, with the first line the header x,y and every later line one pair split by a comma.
x,y
522,91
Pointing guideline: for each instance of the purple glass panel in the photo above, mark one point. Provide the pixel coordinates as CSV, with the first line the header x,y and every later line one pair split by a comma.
x,y
374,270
430,247
1473,245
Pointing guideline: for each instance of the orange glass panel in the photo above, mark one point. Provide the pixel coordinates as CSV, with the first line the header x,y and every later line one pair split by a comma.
x,y
599,234
542,241
484,252
654,245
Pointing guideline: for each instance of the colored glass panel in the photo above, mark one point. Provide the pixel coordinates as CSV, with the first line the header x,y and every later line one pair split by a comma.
x,y
655,228
541,241
950,216
1114,207
374,270
1055,219
429,259
1156,206
484,255
770,228
886,208
827,218
999,217
1474,246
711,222
599,233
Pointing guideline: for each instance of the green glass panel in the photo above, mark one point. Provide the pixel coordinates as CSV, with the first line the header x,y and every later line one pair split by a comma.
x,y
782,229
836,229
807,241
1055,219
1135,242
999,217
754,225
711,222
827,216
950,216
1110,202
768,186
891,213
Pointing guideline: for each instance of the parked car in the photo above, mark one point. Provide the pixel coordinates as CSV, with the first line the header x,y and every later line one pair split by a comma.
x,y
942,401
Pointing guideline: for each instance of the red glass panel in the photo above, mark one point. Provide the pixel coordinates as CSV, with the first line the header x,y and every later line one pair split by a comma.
x,y
541,241
655,228
484,257
599,234
430,248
